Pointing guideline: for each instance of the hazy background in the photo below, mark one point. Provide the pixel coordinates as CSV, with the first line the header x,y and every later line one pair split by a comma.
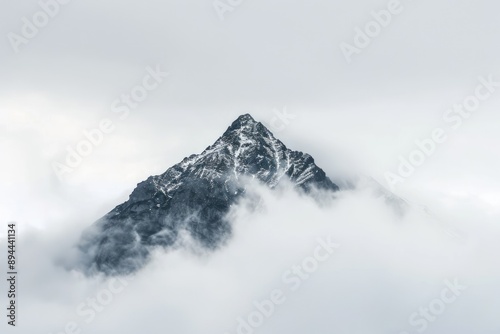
x,y
264,56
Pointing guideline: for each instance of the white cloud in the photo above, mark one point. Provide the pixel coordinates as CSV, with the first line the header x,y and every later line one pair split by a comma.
x,y
386,268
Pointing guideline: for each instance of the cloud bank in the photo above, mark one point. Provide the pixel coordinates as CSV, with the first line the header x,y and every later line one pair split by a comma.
x,y
385,270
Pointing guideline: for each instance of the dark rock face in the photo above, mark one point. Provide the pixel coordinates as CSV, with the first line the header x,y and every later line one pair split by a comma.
x,y
194,197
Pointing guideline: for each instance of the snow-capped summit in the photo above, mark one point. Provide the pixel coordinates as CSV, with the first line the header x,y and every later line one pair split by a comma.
x,y
195,195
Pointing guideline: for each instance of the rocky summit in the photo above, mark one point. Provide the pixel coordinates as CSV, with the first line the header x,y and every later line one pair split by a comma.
x,y
194,197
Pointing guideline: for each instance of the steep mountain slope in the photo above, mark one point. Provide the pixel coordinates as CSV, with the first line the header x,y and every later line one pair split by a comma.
x,y
195,195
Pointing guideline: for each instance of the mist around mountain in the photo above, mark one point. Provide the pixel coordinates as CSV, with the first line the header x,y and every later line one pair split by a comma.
x,y
394,257
192,198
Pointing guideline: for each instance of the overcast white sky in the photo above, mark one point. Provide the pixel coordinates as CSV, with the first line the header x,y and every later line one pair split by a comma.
x,y
265,55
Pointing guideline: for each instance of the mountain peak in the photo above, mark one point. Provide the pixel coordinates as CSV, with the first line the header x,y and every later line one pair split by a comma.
x,y
196,194
245,121
245,129
246,118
